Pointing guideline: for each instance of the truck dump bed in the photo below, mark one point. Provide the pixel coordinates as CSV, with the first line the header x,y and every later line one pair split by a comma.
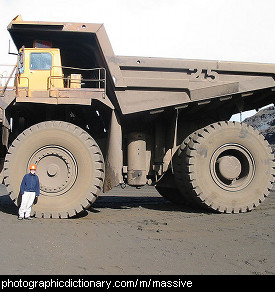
x,y
138,84
159,82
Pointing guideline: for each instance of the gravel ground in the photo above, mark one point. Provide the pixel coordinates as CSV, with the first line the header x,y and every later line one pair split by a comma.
x,y
137,232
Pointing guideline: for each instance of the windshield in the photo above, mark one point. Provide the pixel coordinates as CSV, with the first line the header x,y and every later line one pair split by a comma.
x,y
41,61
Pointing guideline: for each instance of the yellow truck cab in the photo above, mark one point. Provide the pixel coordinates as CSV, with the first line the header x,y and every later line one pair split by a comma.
x,y
39,70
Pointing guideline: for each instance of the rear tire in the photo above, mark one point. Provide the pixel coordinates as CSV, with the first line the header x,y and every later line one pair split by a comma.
x,y
70,168
167,188
171,194
227,167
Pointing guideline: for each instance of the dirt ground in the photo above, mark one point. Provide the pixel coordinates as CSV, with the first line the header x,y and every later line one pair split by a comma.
x,y
137,232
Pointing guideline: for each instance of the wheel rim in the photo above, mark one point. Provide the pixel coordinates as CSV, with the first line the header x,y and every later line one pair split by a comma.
x,y
232,167
56,169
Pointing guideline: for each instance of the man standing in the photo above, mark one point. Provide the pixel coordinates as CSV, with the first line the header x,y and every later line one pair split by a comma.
x,y
29,189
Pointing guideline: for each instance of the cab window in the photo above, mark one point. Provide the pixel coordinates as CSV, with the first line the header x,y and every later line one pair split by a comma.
x,y
41,61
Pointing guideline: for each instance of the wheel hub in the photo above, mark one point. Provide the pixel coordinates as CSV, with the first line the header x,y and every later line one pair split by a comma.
x,y
52,170
229,167
56,169
232,167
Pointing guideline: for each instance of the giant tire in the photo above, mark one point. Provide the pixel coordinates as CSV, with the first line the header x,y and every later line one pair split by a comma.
x,y
69,163
167,188
171,194
181,173
227,167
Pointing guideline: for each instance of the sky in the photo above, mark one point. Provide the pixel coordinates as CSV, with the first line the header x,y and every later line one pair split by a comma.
x,y
226,30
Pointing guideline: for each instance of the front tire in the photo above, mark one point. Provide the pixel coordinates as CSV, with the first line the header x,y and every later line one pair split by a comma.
x,y
70,168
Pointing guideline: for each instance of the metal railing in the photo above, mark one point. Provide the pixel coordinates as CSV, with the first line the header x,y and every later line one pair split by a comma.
x,y
6,79
99,81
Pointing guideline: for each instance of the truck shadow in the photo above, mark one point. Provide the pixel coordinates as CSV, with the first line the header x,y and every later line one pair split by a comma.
x,y
154,203
117,202
145,197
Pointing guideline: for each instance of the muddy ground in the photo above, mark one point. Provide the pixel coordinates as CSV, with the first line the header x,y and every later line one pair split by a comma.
x,y
135,231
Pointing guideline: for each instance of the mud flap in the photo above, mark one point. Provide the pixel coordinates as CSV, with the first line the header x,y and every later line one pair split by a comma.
x,y
114,162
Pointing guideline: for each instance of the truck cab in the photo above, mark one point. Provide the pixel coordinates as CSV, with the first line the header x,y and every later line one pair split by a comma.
x,y
39,69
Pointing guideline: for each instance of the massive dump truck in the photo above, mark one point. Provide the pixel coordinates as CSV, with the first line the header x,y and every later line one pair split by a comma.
x,y
91,120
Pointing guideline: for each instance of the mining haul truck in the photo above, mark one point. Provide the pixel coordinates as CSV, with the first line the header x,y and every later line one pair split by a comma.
x,y
91,120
